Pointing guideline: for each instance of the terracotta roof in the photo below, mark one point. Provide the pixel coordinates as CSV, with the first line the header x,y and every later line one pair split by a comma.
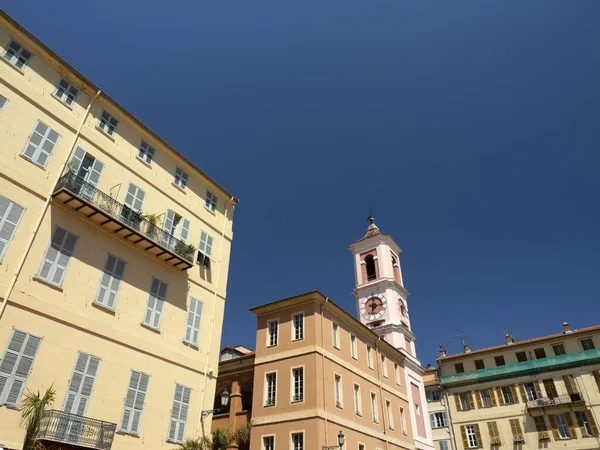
x,y
524,342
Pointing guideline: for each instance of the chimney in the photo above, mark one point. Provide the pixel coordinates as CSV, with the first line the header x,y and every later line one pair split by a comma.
x,y
566,327
509,339
467,348
442,351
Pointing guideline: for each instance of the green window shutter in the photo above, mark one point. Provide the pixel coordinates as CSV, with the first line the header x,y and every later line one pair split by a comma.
x,y
194,318
156,300
15,366
57,256
134,402
110,282
41,144
76,160
185,229
81,384
10,216
179,412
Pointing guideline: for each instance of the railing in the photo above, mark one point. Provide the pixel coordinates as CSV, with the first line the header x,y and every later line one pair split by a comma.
x,y
518,439
122,213
564,399
523,368
495,442
59,426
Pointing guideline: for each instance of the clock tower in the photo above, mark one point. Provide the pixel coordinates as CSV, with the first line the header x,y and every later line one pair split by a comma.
x,y
382,306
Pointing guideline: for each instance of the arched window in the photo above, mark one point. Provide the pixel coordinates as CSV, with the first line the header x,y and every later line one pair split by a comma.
x,y
370,266
396,269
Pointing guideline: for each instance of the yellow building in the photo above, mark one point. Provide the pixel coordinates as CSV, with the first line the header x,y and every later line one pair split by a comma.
x,y
531,394
114,253
438,416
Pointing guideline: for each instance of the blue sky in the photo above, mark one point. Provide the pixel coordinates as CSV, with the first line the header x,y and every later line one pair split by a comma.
x,y
471,128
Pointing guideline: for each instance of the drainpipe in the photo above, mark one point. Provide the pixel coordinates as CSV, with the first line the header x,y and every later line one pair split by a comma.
x,y
200,424
38,224
323,369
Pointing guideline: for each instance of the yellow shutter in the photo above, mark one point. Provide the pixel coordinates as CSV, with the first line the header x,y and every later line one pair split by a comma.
x,y
478,397
513,389
580,423
493,428
592,423
457,401
478,435
569,384
463,431
493,397
540,426
597,378
571,426
554,427
523,393
538,389
471,401
500,396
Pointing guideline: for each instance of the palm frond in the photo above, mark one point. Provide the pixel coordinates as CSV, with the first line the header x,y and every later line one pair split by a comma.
x,y
32,409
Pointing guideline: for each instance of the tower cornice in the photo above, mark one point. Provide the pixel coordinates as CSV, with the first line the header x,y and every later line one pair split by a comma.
x,y
384,283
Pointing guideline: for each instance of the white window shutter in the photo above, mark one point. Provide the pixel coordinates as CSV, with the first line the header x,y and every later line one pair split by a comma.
x,y
134,402
81,384
169,219
57,257
194,319
77,159
134,198
156,299
110,281
185,229
10,216
95,172
179,412
15,366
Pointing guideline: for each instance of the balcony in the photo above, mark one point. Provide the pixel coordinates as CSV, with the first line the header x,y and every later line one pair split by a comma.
x,y
66,428
545,402
119,219
525,368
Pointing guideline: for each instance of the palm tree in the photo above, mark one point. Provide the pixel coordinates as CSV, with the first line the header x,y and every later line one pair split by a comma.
x,y
32,409
221,439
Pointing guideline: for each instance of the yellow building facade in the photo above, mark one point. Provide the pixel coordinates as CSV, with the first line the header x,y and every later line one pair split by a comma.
x,y
114,255
531,394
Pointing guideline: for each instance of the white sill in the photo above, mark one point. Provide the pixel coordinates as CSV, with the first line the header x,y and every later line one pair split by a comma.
x,y
101,130
150,327
21,71
108,309
189,344
49,284
149,164
271,346
31,161
214,213
63,103
179,187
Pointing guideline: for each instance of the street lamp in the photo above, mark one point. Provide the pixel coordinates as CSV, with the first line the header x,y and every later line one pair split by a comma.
x,y
224,403
340,444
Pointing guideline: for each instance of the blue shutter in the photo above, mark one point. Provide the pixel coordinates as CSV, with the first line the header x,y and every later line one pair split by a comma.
x,y
110,282
57,257
193,321
156,300
185,229
10,216
15,366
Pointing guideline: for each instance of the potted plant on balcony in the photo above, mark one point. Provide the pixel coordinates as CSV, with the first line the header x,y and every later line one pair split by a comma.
x,y
152,223
32,410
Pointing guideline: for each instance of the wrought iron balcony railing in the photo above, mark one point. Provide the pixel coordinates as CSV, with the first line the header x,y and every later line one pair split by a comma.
x,y
564,399
120,219
59,426
532,367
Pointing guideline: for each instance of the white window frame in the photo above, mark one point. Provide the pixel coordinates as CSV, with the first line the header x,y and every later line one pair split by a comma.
x,y
205,248
438,419
562,425
353,347
530,391
38,147
583,417
384,371
374,412
180,178
370,357
465,401
271,437
471,436
338,396
268,388
107,123
297,385
390,416
3,102
357,400
403,421
146,153
211,201
69,91
335,335
14,59
272,338
293,445
445,445
298,328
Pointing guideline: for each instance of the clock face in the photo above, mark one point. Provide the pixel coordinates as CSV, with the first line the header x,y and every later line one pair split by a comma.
x,y
373,308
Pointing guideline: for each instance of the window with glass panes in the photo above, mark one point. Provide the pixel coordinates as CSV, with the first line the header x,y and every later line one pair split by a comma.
x,y
353,351
272,328
269,443
337,389
559,349
271,379
297,441
298,322
530,391
562,426
374,407
210,202
15,54
146,152
444,445
357,405
298,376
499,360
471,436
335,331
507,394
66,92
587,344
540,353
486,398
181,178
108,123
465,404
438,419
433,396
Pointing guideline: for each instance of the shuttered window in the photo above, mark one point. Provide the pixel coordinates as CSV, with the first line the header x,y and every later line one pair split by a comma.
x,y
541,428
134,402
110,282
86,167
134,199
156,300
146,152
194,318
586,423
494,434
179,412
108,123
205,249
10,216
596,374
15,366
66,92
41,144
551,391
3,101
181,178
517,431
471,436
57,257
81,384
15,54
562,426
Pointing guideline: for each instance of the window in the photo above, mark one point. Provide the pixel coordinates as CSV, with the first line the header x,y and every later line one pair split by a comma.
x,y
479,364
390,419
40,145
134,200
438,419
110,282
517,432
335,332
471,436
396,374
571,386
499,360
15,54
3,101
10,216
596,374
170,225
357,402
194,318
540,353
551,391
57,257
298,377
179,411
465,401
586,423
134,402
268,443
297,441
587,344
361,447
337,389
444,445
185,230
211,201
460,368
370,357
181,178
433,396
508,395
403,421
559,349
272,332
66,92
108,123
494,435
521,356
384,367
561,425
374,408
353,349
156,301
541,428
271,389
86,168
298,326
146,152
486,398
530,391
17,363
205,249
81,384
